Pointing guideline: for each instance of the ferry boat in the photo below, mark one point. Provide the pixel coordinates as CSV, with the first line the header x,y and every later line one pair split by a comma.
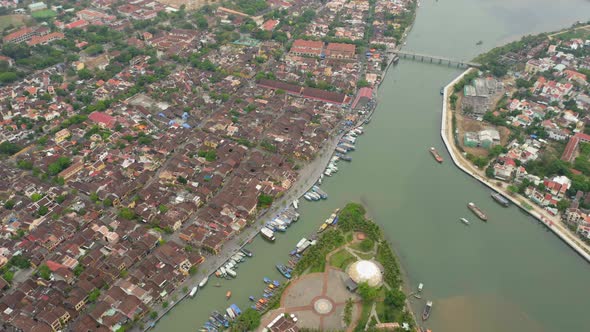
x,y
435,154
303,247
231,273
322,227
319,191
267,234
284,271
341,150
344,157
235,309
193,291
465,221
427,310
315,196
203,282
230,313
500,199
479,213
247,252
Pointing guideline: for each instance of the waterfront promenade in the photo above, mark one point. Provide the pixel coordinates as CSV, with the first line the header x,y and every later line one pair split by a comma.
x,y
552,222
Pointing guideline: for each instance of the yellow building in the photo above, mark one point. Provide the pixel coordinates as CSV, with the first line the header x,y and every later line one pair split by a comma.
x,y
61,135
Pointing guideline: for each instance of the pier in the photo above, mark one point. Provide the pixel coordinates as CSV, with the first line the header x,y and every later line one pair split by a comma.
x,y
436,59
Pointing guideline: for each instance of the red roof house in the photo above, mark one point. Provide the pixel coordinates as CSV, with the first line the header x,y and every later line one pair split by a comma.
x,y
102,119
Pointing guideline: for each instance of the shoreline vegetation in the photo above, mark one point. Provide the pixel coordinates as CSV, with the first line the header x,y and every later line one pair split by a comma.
x,y
481,167
357,238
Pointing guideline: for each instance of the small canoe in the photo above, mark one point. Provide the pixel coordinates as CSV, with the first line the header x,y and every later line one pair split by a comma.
x,y
228,295
251,298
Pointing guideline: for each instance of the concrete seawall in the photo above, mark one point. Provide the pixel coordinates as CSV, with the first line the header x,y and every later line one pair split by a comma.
x,y
447,135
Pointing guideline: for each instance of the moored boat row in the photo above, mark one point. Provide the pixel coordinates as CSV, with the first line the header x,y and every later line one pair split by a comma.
x,y
228,269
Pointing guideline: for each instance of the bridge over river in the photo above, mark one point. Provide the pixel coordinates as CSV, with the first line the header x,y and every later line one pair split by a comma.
x,y
435,59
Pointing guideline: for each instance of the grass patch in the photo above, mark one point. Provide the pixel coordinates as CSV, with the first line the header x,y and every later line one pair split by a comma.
x,y
14,20
341,259
348,237
319,267
366,245
380,309
41,14
365,312
366,256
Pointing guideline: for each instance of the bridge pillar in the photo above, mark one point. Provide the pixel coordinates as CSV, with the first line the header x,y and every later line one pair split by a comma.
x,y
414,57
431,60
439,61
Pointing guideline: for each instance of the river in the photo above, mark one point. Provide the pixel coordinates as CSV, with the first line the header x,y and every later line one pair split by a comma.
x,y
510,274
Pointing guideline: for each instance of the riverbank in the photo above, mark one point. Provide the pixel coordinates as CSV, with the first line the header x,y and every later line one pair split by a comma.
x,y
552,222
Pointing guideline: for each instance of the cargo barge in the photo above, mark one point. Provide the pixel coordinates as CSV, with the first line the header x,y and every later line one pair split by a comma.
x,y
435,154
479,213
500,199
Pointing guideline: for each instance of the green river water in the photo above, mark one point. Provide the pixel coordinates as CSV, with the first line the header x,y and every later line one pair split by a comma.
x,y
510,274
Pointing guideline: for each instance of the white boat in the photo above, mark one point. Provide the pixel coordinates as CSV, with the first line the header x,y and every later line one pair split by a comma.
x,y
267,233
222,271
231,273
420,286
328,172
193,291
465,221
307,197
230,313
296,204
300,243
305,245
203,282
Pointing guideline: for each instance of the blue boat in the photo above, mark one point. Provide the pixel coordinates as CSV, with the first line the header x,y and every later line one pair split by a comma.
x,y
251,298
284,271
267,295
276,283
266,280
235,309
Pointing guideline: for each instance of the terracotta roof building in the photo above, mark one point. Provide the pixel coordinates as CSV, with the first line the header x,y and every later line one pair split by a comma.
x,y
20,35
307,47
102,119
340,51
43,40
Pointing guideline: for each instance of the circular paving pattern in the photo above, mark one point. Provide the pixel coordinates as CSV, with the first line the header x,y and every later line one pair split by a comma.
x,y
323,306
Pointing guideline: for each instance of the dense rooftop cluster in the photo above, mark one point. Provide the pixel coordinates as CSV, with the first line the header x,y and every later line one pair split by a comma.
x,y
136,139
544,103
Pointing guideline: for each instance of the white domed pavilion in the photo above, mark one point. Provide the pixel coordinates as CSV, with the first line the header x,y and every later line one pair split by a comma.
x,y
365,271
